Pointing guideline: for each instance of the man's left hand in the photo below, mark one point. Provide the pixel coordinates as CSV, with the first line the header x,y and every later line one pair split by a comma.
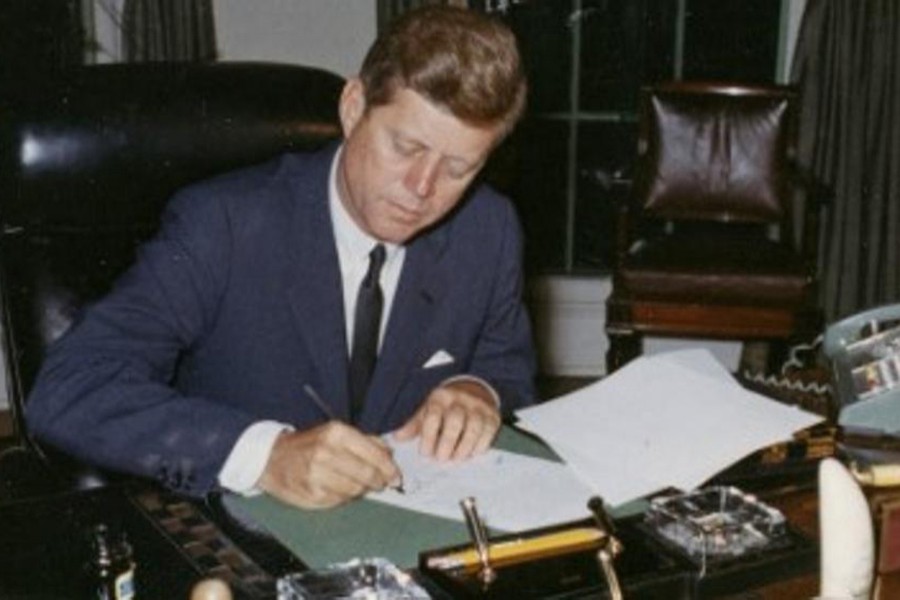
x,y
457,420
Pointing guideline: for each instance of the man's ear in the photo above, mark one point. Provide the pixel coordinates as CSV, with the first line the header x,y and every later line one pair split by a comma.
x,y
352,105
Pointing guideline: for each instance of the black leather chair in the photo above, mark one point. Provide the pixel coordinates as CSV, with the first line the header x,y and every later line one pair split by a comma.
x,y
709,246
87,161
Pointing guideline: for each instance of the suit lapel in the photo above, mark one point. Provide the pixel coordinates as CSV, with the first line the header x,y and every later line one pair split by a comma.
x,y
315,292
419,294
316,299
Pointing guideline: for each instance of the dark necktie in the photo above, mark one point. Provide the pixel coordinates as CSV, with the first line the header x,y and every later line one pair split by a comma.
x,y
366,325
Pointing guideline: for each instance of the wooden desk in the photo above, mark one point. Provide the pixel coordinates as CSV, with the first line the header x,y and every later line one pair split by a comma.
x,y
801,507
322,537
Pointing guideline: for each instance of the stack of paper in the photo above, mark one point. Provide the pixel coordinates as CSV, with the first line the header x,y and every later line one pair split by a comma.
x,y
670,420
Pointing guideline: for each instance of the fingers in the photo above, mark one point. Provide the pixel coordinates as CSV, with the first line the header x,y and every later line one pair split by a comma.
x,y
456,423
410,429
449,428
364,460
476,439
432,419
327,465
330,464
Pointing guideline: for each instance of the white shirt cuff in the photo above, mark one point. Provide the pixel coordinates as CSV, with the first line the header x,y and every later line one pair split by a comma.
x,y
248,458
464,377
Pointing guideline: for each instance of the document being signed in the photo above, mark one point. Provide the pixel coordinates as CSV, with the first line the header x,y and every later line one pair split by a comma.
x,y
513,491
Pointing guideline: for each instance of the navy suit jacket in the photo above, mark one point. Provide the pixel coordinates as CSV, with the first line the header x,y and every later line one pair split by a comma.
x,y
235,307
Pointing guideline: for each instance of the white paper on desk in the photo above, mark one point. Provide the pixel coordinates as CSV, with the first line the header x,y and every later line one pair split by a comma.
x,y
661,421
514,492
699,361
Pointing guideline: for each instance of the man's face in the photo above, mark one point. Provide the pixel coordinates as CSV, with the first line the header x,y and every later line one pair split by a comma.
x,y
405,164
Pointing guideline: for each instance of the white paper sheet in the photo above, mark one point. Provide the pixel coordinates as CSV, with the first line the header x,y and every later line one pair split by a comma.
x,y
513,492
670,420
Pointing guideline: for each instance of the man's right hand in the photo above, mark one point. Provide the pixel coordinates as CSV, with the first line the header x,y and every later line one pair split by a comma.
x,y
327,465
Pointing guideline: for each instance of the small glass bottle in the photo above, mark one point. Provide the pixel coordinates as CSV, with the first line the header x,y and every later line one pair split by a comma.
x,y
112,564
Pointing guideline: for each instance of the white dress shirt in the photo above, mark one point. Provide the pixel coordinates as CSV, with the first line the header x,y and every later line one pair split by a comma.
x,y
247,459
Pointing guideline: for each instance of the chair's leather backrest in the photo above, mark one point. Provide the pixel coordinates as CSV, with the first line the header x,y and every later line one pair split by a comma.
x,y
87,162
716,152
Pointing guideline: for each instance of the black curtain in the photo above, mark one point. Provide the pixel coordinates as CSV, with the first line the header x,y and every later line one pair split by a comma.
x,y
168,30
38,38
847,66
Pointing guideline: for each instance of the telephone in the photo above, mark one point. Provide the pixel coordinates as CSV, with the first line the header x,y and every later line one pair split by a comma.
x,y
864,351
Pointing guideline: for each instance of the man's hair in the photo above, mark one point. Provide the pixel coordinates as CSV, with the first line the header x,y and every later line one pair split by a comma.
x,y
461,60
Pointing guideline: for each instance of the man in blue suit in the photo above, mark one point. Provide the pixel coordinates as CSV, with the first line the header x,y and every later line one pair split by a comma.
x,y
225,356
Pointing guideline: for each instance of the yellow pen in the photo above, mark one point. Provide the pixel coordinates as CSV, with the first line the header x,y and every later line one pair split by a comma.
x,y
522,549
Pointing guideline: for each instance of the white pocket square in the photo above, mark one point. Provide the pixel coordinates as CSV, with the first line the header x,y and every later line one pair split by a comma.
x,y
439,358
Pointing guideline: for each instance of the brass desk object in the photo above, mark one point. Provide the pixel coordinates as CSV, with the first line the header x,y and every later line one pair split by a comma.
x,y
489,556
610,547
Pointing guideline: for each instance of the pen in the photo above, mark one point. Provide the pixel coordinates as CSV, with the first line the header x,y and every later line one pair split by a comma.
x,y
326,410
522,549
317,400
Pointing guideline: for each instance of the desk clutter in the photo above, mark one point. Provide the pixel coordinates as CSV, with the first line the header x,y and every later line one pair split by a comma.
x,y
131,540
694,545
176,548
620,456
864,354
86,544
570,569
698,545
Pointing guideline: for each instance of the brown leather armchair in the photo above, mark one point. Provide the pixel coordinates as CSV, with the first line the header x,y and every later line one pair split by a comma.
x,y
707,246
87,161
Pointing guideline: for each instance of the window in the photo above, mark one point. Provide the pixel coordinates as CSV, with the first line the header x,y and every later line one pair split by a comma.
x,y
570,160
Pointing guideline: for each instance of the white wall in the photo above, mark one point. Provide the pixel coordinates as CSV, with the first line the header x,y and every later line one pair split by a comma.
x,y
332,34
795,15
102,19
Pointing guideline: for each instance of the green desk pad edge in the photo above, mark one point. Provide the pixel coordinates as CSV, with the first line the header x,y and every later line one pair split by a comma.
x,y
365,528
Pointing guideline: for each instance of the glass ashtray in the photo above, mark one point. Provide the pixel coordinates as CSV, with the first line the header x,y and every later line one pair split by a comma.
x,y
357,579
715,524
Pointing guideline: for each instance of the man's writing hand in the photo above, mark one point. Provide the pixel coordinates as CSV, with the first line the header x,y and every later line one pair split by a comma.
x,y
457,420
327,465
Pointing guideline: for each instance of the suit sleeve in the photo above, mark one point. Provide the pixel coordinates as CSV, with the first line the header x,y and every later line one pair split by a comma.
x,y
104,393
504,354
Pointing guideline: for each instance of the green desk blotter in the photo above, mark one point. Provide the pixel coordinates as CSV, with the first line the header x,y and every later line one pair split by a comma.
x,y
365,528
